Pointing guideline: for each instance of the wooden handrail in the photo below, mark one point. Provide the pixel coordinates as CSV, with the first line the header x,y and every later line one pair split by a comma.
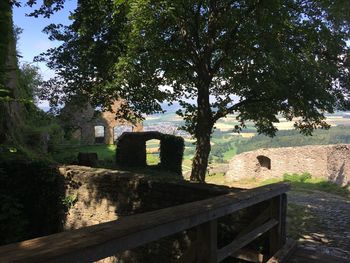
x,y
103,240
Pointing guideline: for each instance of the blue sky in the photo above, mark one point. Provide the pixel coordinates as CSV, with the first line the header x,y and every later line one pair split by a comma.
x,y
33,41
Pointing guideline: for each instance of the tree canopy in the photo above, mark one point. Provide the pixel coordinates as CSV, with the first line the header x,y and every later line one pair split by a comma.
x,y
252,57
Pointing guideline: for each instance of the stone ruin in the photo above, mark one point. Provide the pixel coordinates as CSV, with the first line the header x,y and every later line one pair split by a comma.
x,y
90,127
132,148
329,162
102,195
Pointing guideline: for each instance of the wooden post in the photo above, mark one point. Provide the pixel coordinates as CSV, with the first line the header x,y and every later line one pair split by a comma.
x,y
208,238
275,234
283,223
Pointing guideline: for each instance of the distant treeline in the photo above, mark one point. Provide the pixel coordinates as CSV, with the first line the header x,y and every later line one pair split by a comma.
x,y
291,138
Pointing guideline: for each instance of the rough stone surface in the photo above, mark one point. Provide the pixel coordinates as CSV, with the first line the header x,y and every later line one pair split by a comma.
x,y
331,162
87,159
84,120
103,195
326,222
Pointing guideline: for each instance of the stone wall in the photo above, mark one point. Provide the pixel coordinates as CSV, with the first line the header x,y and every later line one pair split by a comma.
x,y
102,195
83,119
331,162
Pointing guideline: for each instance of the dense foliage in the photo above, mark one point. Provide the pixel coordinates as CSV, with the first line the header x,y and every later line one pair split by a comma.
x,y
84,63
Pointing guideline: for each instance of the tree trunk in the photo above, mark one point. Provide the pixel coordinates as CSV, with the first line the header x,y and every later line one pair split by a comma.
x,y
200,160
5,42
11,112
203,132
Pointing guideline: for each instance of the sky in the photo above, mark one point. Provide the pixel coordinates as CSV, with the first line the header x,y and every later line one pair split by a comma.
x,y
33,41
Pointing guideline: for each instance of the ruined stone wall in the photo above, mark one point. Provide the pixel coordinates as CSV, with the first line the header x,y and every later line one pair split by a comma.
x,y
84,119
102,195
331,162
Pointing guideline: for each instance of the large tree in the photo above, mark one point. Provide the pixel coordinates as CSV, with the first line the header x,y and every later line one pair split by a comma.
x,y
278,57
256,58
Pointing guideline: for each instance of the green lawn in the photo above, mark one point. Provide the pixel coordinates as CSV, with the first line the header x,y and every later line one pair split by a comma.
x,y
69,155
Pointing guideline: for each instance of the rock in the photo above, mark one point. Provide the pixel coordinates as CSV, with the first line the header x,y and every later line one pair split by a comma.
x,y
87,159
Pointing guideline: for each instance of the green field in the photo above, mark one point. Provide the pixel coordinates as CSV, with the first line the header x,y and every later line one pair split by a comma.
x,y
68,154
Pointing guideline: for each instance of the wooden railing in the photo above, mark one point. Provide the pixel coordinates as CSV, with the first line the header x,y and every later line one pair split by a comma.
x,y
103,240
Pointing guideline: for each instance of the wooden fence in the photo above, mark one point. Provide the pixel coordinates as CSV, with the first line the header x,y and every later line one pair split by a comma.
x,y
103,240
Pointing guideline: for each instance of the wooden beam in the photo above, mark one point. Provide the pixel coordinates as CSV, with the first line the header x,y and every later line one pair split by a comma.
x,y
258,221
208,237
249,255
103,240
275,240
283,222
284,253
245,240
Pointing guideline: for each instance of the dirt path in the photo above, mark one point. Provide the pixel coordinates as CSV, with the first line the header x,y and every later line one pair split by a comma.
x,y
320,221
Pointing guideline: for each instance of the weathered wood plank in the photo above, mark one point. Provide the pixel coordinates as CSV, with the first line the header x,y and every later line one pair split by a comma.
x,y
284,253
283,222
240,242
100,241
208,238
275,239
190,254
249,255
258,221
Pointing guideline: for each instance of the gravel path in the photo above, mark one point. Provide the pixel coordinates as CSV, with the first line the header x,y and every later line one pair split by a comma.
x,y
324,224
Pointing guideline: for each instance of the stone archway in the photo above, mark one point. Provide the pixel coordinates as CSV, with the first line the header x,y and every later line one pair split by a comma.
x,y
131,150
100,133
264,162
153,152
131,147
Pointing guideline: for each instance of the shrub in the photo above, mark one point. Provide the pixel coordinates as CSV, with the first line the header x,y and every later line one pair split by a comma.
x,y
297,177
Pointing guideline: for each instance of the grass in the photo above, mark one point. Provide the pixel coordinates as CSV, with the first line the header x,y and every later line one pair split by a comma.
x,y
69,155
305,182
216,178
152,158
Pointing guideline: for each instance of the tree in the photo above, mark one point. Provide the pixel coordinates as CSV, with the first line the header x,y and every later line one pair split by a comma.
x,y
31,80
287,57
256,58
16,86
84,63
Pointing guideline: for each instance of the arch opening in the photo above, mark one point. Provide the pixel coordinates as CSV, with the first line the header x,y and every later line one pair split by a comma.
x,y
153,152
100,134
264,162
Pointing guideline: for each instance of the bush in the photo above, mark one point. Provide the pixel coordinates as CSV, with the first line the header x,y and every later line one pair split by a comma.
x,y
297,177
30,194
